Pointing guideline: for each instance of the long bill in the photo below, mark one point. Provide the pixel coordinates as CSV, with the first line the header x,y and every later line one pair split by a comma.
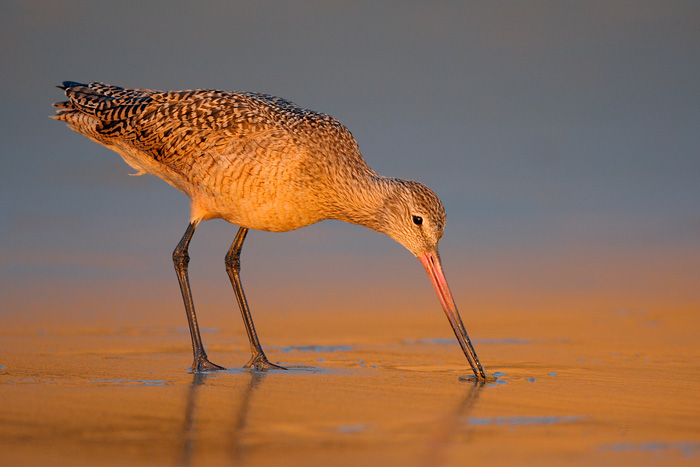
x,y
432,264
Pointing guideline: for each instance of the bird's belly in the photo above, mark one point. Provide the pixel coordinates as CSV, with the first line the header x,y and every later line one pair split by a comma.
x,y
272,218
266,201
274,214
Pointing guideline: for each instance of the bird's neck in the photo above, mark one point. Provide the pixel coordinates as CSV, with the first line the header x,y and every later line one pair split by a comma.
x,y
363,199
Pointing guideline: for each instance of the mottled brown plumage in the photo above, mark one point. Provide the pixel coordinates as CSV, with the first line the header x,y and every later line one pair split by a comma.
x,y
257,161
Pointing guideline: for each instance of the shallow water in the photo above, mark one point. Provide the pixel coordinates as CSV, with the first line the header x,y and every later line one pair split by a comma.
x,y
604,388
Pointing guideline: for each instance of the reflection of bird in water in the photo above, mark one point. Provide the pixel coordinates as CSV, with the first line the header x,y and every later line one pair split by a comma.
x,y
190,434
449,424
191,431
237,445
260,162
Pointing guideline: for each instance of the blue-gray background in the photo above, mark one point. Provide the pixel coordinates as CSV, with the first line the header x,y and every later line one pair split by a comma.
x,y
563,138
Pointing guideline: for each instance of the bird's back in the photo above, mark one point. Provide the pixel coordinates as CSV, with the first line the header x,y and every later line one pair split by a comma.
x,y
254,159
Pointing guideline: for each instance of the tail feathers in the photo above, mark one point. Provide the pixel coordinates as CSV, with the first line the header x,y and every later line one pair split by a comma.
x,y
70,84
66,108
83,123
99,98
81,111
103,108
62,105
87,100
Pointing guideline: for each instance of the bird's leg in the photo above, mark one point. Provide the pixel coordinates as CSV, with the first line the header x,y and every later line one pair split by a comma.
x,y
181,259
258,360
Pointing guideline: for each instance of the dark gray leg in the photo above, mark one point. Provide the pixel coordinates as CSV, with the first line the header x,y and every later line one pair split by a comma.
x,y
258,360
181,259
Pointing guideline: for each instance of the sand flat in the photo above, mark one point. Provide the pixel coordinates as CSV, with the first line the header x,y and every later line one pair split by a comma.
x,y
598,388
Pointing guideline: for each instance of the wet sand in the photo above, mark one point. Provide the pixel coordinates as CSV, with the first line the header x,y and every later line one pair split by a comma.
x,y
610,388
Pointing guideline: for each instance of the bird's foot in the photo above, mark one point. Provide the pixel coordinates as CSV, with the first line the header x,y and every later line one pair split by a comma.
x,y
259,362
202,364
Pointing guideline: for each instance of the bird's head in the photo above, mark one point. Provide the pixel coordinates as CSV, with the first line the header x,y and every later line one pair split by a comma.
x,y
414,216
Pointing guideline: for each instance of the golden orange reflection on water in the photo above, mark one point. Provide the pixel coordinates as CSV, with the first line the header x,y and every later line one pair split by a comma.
x,y
611,387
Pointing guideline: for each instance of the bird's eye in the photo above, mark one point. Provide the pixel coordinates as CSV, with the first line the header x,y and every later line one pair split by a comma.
x,y
418,220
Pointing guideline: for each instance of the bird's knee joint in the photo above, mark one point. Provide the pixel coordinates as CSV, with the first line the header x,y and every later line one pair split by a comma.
x,y
181,258
233,262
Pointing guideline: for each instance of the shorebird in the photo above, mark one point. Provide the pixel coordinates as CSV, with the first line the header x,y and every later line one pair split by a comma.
x,y
259,162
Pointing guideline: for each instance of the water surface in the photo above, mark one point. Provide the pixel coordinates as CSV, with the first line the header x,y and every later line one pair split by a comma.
x,y
580,389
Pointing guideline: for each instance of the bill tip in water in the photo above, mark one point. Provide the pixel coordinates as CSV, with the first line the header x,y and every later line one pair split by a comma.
x,y
489,378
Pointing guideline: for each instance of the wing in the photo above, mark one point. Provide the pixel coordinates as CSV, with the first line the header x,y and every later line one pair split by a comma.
x,y
173,128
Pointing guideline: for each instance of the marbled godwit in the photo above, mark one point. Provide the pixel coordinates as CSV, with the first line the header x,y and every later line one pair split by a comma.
x,y
260,162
